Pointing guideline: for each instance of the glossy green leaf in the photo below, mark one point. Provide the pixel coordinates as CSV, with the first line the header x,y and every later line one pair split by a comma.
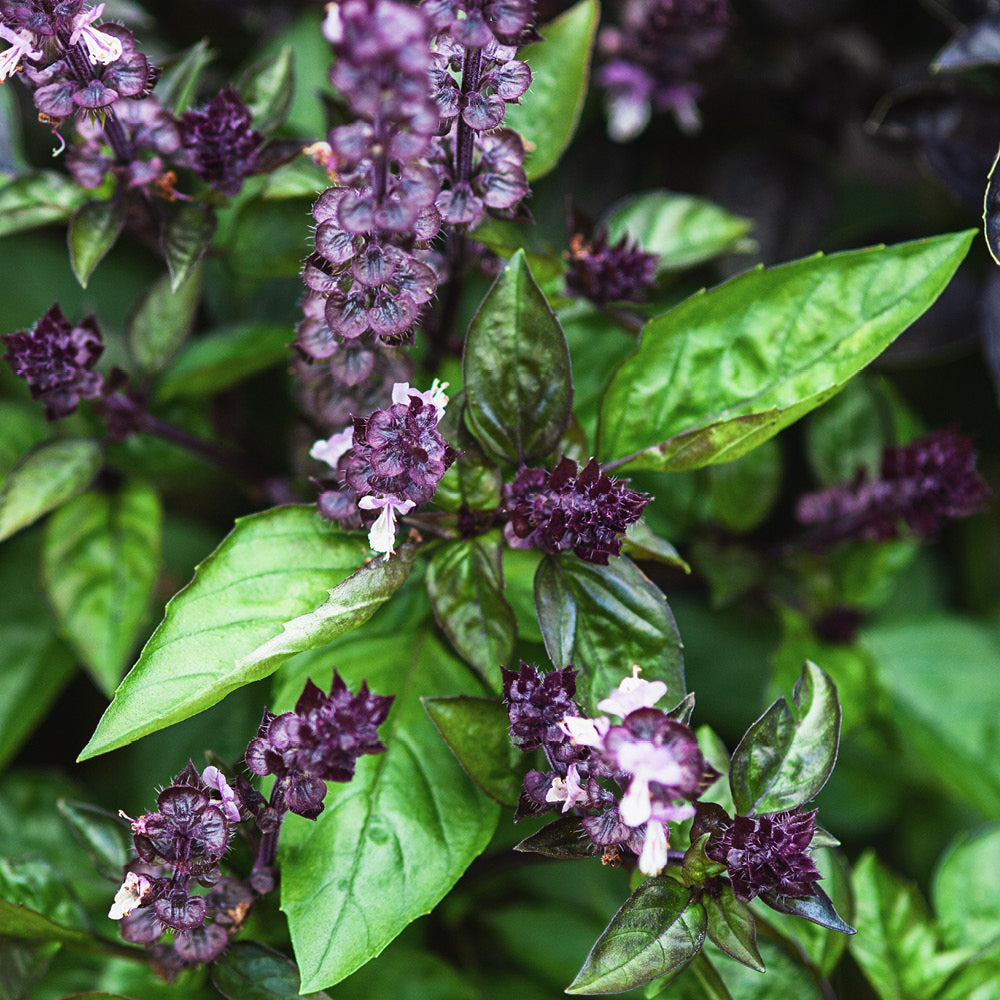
x,y
465,584
187,234
731,927
93,231
44,478
897,946
178,85
349,604
268,88
160,323
562,838
38,199
391,843
272,567
516,369
103,835
476,730
729,368
786,756
657,931
36,905
99,565
818,909
222,359
251,971
966,890
641,543
472,480
604,619
548,113
681,229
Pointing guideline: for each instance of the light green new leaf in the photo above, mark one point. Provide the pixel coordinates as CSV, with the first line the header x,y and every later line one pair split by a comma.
x,y
560,69
391,843
93,231
99,564
682,229
161,321
45,477
271,568
966,891
604,619
729,368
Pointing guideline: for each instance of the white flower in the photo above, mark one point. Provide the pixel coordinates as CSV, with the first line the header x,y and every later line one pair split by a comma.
x,y
585,732
20,46
632,694
567,790
333,24
434,396
382,534
653,858
133,891
333,448
101,47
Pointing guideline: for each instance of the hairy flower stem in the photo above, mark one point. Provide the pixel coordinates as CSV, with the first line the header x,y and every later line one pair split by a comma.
x,y
465,136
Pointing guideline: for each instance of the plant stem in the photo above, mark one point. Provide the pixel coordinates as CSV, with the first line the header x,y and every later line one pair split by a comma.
x,y
709,979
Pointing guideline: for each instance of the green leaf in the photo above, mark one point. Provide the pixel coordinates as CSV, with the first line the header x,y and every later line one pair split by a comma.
x,y
966,890
472,480
641,543
38,199
604,619
683,230
389,845
187,234
818,909
896,944
465,584
548,113
36,905
21,426
785,757
349,604
657,931
179,83
99,565
516,369
44,478
476,731
251,971
160,323
222,359
93,231
562,838
267,89
731,927
101,834
728,369
271,567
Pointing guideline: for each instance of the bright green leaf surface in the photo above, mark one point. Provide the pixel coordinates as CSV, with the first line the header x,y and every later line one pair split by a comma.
x,y
250,971
175,90
47,476
657,931
785,757
966,891
271,568
21,426
729,368
516,369
393,841
267,89
161,322
99,564
35,904
465,584
38,199
93,231
560,68
683,230
476,729
604,619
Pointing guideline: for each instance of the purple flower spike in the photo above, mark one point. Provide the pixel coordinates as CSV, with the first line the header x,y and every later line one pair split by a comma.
x,y
222,142
609,272
56,359
920,484
320,741
586,512
537,703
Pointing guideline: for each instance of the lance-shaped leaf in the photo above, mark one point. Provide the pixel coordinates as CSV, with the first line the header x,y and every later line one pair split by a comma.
x,y
187,234
179,82
93,231
391,843
271,568
267,89
548,113
818,909
37,200
476,731
658,931
101,834
731,926
562,838
517,369
786,756
729,368
99,564
44,478
682,230
247,970
465,584
160,323
604,619
349,604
